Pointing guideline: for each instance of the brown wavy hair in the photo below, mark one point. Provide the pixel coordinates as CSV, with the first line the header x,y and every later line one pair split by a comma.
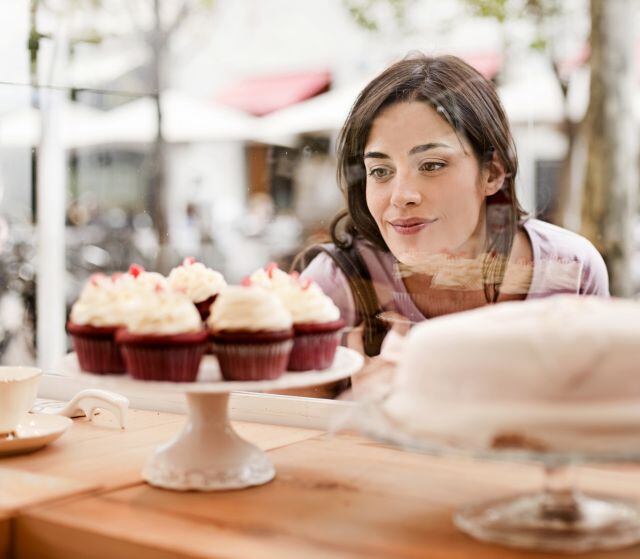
x,y
468,102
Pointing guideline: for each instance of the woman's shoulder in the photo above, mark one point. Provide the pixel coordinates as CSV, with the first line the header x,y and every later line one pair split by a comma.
x,y
323,267
361,258
325,271
555,240
555,244
333,267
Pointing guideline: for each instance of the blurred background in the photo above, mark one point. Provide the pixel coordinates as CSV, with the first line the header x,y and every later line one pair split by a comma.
x,y
150,130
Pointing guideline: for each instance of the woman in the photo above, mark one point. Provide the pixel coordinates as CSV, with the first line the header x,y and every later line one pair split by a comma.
x,y
433,225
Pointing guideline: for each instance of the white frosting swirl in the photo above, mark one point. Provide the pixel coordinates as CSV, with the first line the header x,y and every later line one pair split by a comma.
x,y
100,304
248,308
196,280
143,282
304,299
307,303
271,277
162,312
132,288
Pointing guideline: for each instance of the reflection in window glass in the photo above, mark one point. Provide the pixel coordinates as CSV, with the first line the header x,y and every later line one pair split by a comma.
x,y
195,132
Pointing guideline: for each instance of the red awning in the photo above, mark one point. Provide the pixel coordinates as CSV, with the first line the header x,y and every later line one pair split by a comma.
x,y
487,63
571,63
260,96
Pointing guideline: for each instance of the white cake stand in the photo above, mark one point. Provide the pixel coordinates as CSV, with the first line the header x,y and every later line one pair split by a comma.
x,y
208,455
558,518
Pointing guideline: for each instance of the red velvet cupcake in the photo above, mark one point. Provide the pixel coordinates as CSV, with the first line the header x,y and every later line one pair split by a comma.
x,y
164,339
92,325
316,319
251,334
199,283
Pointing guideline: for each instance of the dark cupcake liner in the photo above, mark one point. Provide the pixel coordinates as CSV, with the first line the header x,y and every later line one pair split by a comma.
x,y
96,349
313,351
314,345
251,337
318,327
248,361
174,358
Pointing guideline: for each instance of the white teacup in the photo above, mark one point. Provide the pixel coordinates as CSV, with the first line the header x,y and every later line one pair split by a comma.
x,y
18,390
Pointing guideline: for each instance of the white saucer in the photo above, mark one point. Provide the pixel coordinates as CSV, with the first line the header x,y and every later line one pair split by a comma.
x,y
34,432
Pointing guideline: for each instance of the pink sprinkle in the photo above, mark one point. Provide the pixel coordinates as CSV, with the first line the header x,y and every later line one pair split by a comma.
x,y
95,278
295,275
246,281
115,277
188,261
270,268
158,288
306,283
135,270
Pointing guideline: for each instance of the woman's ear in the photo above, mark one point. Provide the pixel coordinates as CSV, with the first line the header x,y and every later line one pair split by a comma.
x,y
493,176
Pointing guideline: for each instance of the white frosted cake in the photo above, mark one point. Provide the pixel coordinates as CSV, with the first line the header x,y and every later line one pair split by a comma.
x,y
554,374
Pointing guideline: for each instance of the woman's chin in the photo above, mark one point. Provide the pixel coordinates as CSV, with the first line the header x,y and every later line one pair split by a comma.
x,y
416,252
415,257
411,250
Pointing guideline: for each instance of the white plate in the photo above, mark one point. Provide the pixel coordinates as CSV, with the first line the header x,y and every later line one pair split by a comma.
x,y
34,432
346,363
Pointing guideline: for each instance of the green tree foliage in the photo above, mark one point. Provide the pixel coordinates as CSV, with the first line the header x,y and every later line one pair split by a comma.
x,y
369,13
537,12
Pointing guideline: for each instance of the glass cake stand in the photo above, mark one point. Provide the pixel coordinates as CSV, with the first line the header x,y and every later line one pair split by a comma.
x,y
558,518
208,454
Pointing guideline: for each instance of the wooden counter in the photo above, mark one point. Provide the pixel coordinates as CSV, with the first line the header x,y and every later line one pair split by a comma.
x,y
5,536
98,453
98,456
336,497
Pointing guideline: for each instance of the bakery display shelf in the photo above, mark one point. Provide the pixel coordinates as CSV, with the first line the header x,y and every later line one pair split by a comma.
x,y
208,454
557,518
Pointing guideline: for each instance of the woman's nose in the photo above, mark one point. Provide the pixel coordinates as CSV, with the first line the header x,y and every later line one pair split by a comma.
x,y
405,194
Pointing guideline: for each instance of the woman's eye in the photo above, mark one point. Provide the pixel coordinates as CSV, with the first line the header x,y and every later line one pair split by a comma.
x,y
431,166
378,173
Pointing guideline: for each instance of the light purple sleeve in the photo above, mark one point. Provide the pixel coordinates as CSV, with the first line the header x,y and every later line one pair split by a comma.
x,y
565,262
324,271
595,278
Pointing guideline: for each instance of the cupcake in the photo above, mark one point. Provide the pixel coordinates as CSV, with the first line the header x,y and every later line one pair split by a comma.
x,y
164,338
316,319
92,325
251,333
199,283
316,324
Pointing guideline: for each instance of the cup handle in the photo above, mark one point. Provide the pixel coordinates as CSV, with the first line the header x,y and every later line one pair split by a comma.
x,y
85,402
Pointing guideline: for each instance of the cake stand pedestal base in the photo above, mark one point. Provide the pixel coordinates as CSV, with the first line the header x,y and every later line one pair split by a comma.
x,y
575,524
208,455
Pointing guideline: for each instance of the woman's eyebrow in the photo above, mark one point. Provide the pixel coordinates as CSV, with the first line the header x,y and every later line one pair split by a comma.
x,y
376,155
427,147
412,151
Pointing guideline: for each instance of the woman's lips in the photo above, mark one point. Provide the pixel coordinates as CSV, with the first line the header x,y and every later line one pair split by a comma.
x,y
410,226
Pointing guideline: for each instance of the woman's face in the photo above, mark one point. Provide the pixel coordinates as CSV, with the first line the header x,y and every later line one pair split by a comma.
x,y
424,188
